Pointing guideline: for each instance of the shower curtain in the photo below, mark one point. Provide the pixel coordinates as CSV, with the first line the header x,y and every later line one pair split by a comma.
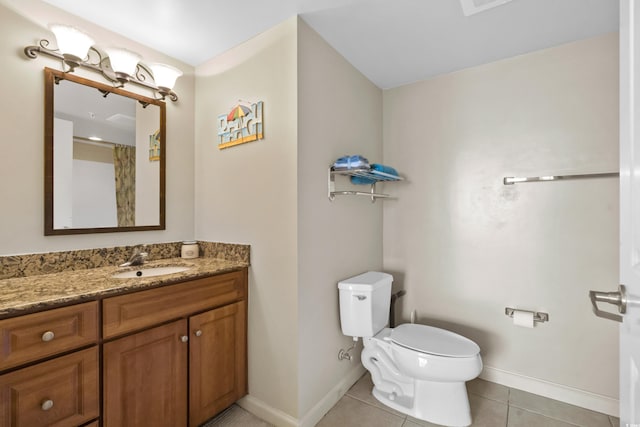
x,y
124,163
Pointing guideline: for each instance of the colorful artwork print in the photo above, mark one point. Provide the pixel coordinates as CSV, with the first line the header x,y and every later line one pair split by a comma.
x,y
154,146
242,124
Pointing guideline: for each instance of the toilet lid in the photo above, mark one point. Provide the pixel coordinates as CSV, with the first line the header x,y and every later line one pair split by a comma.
x,y
427,339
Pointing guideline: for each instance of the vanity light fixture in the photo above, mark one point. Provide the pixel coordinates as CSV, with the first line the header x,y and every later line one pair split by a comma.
x,y
120,66
73,44
124,63
165,77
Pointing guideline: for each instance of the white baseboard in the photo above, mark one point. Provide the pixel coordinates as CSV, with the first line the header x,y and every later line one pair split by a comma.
x,y
325,404
562,393
268,413
281,419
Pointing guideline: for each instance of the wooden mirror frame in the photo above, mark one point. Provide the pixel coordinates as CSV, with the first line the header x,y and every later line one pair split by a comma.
x,y
51,76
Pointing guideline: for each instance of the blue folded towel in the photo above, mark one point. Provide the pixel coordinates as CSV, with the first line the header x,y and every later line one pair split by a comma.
x,y
362,180
384,169
351,162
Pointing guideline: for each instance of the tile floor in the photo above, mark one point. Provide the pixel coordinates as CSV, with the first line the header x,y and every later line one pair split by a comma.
x,y
492,405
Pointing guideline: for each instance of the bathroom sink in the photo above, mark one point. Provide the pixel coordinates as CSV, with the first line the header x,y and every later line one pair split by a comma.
x,y
150,272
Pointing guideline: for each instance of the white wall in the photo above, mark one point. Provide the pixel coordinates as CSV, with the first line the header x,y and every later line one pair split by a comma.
x,y
63,162
339,113
248,194
94,195
465,246
22,133
147,172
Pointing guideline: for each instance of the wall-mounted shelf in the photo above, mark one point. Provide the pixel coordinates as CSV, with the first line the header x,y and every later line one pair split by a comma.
x,y
373,175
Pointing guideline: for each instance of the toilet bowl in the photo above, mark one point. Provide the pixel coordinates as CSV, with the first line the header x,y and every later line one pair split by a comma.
x,y
435,354
424,385
418,370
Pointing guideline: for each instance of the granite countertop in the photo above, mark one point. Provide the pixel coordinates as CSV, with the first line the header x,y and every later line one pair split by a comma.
x,y
30,293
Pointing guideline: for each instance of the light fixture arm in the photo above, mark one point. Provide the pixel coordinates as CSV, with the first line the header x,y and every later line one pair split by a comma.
x,y
142,77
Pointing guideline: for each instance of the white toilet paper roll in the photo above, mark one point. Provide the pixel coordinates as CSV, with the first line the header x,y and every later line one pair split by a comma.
x,y
523,318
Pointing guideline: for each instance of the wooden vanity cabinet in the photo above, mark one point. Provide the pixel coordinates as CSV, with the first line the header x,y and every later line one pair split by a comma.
x,y
217,361
173,356
60,392
182,343
145,378
35,336
60,387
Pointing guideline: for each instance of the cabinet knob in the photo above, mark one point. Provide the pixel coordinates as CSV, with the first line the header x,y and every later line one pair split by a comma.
x,y
198,333
47,404
48,336
184,338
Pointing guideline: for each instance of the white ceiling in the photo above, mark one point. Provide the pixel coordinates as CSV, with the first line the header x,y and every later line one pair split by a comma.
x,y
392,42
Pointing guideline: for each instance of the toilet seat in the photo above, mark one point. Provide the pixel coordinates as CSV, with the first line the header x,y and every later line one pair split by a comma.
x,y
436,341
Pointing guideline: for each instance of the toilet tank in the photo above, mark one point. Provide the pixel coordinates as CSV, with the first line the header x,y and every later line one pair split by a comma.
x,y
364,303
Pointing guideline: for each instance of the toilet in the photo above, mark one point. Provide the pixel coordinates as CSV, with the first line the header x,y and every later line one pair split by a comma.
x,y
416,369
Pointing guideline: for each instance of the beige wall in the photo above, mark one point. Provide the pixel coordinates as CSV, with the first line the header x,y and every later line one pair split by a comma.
x,y
248,194
465,246
280,205
462,244
21,138
340,112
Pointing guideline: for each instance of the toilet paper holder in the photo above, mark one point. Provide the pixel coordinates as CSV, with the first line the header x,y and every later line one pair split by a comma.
x,y
537,315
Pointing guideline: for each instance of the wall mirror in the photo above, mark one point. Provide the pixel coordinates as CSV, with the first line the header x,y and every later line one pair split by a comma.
x,y
104,158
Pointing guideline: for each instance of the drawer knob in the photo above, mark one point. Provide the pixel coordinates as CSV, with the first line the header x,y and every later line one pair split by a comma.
x,y
198,333
47,404
48,336
184,338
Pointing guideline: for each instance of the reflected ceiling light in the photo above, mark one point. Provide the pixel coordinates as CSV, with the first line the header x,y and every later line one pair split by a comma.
x,y
120,66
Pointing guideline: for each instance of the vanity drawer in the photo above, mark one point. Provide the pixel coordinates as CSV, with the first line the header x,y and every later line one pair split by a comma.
x,y
61,392
35,336
131,312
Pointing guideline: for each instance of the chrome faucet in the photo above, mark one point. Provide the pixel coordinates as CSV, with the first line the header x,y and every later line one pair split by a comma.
x,y
137,258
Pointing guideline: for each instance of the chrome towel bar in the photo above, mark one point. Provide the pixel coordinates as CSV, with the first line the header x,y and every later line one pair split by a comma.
x,y
510,180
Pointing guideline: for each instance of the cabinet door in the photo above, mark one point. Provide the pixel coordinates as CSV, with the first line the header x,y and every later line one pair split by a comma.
x,y
62,392
217,361
145,378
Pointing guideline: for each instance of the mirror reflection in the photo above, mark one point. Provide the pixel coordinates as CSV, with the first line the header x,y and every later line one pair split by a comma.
x,y
105,158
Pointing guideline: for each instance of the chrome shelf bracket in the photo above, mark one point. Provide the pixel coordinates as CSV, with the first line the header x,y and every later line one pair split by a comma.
x,y
370,174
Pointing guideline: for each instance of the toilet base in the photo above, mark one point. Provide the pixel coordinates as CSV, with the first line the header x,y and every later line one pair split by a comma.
x,y
443,403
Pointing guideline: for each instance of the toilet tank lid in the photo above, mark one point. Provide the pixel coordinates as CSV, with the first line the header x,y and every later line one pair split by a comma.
x,y
366,281
430,340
